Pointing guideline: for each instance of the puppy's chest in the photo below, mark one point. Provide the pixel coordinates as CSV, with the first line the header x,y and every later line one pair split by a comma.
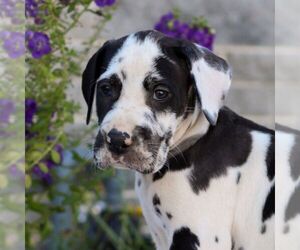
x,y
164,202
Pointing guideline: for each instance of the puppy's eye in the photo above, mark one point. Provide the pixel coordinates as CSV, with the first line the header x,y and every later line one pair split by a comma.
x,y
161,93
106,89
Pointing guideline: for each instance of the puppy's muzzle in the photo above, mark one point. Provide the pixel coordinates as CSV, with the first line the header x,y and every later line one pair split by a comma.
x,y
118,141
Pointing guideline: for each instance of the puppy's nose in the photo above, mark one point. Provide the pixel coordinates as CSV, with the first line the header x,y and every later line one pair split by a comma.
x,y
118,141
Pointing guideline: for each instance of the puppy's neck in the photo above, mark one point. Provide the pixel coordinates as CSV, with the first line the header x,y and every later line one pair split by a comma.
x,y
190,130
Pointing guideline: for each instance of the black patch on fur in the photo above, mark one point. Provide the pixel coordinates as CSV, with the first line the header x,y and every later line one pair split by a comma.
x,y
139,182
215,61
156,200
241,248
173,164
286,229
142,35
172,77
99,141
263,229
104,102
157,210
168,137
223,97
184,239
95,67
191,105
142,132
238,178
295,159
270,159
232,244
269,207
216,239
226,144
160,174
295,153
285,129
124,76
194,53
293,207
169,215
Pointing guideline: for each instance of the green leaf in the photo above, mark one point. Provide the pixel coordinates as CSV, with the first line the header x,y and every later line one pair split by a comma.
x,y
55,156
28,181
43,167
35,155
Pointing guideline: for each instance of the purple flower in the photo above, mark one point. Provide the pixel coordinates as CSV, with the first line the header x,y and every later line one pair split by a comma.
x,y
7,107
11,9
103,3
198,33
45,177
4,34
30,110
202,37
32,9
164,23
38,43
167,17
13,43
15,172
50,164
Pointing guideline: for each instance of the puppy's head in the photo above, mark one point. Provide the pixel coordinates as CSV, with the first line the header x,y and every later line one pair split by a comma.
x,y
146,86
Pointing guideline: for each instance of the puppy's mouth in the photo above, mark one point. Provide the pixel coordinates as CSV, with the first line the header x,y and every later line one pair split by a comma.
x,y
138,158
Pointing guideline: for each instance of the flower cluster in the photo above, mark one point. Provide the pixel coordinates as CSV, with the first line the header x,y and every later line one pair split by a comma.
x,y
30,110
13,43
104,3
43,168
198,31
7,109
33,9
38,43
11,9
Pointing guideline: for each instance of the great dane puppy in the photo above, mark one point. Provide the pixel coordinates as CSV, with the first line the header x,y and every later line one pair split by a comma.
x,y
204,175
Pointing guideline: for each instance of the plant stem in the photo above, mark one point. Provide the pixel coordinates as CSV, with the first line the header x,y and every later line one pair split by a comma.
x,y
75,21
48,149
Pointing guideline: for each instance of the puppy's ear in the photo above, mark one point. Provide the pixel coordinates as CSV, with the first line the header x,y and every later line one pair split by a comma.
x,y
211,75
90,75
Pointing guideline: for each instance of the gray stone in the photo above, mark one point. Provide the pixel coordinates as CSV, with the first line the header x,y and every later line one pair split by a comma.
x,y
252,64
288,65
287,17
252,100
236,22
